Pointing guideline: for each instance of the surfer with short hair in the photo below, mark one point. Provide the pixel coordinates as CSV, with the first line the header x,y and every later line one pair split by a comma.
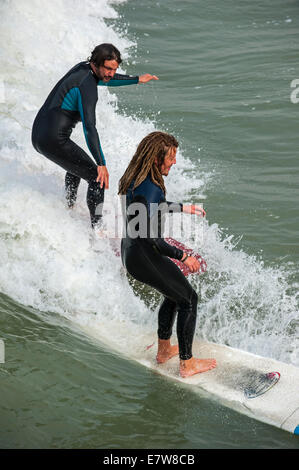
x,y
145,254
74,99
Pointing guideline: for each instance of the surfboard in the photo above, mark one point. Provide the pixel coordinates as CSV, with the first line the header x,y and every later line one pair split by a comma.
x,y
261,388
115,244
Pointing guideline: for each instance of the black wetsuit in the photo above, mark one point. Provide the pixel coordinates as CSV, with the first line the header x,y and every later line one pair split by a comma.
x,y
147,260
74,99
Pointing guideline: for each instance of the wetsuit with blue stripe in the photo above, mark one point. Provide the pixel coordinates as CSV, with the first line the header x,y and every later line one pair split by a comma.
x,y
146,258
74,99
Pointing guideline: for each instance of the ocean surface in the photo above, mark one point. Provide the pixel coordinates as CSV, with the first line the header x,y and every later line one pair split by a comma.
x,y
69,319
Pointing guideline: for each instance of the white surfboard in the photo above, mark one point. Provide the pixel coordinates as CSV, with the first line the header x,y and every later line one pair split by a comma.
x,y
261,388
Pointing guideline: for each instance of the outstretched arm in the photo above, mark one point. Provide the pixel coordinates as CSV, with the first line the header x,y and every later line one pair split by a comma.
x,y
122,80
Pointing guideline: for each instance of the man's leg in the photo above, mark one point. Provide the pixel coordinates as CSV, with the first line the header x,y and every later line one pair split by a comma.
x,y
49,140
71,188
77,164
160,272
95,200
166,318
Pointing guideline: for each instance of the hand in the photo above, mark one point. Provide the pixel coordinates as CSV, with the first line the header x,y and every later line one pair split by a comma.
x,y
194,209
192,263
103,176
147,77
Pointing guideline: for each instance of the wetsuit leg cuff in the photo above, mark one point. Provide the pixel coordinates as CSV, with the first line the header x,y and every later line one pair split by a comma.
x,y
164,335
185,357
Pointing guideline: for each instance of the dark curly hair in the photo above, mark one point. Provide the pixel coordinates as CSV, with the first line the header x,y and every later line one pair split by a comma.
x,y
104,52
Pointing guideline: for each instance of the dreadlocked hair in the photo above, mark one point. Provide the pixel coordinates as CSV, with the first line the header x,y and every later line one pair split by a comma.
x,y
148,159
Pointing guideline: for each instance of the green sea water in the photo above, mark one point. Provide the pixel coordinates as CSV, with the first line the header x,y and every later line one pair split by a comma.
x,y
224,90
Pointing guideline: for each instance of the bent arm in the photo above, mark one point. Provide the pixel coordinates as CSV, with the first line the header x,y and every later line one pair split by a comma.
x,y
165,249
174,207
151,196
87,100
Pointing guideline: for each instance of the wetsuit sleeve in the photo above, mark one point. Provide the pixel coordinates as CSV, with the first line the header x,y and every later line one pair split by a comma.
x,y
87,104
152,196
174,206
120,80
165,249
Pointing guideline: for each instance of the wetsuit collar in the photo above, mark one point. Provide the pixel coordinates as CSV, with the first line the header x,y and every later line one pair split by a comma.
x,y
93,73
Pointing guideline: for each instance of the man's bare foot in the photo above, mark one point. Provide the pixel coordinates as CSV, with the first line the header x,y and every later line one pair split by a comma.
x,y
166,351
195,366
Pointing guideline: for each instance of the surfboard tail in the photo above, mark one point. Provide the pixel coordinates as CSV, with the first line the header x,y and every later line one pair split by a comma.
x,y
189,251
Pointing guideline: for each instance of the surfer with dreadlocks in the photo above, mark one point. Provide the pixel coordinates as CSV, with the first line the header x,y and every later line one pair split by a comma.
x,y
145,254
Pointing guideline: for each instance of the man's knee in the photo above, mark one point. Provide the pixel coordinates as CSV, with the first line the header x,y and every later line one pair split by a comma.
x,y
72,180
189,301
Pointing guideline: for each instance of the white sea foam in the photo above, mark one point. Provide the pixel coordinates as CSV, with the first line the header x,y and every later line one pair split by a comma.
x,y
48,259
